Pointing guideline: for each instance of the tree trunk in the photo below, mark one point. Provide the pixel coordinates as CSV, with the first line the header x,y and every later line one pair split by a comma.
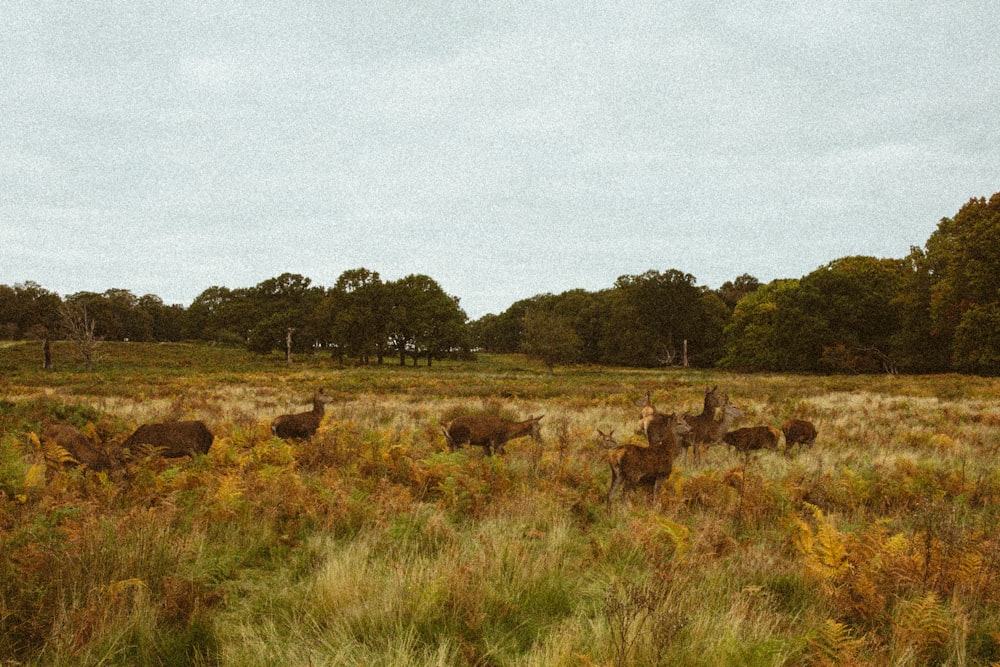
x,y
47,355
288,345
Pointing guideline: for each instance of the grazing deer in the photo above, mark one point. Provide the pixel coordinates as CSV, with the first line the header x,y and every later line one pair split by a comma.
x,y
172,439
302,425
632,465
798,432
78,446
489,432
751,438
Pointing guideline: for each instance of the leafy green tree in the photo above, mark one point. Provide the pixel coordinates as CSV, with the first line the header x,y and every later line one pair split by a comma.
x,y
963,259
732,291
666,310
751,336
167,322
27,310
857,297
916,345
976,347
551,337
221,314
501,333
288,301
423,319
360,315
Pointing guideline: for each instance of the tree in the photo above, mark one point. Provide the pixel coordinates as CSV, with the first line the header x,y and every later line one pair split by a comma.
x,y
917,345
963,260
79,328
27,310
360,315
857,297
976,347
751,336
551,338
423,319
733,291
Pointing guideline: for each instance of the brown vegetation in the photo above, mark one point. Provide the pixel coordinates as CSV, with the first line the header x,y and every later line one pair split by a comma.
x,y
488,431
302,425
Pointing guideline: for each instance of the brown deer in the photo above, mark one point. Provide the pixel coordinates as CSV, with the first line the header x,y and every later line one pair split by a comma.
x,y
648,410
751,438
632,465
79,446
488,431
172,439
798,432
704,428
302,425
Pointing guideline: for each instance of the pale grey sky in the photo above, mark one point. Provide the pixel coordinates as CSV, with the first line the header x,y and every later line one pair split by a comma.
x,y
504,149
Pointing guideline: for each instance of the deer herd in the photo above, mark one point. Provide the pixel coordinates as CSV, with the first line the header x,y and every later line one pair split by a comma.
x,y
631,465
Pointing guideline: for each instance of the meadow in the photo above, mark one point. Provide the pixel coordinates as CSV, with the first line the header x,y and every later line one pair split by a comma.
x,y
372,544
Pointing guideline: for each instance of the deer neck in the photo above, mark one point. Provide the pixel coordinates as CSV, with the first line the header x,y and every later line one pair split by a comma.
x,y
318,407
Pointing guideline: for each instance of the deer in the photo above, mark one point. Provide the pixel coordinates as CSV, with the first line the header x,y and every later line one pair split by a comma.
x,y
632,465
647,409
706,430
79,447
302,425
702,423
751,438
172,439
798,432
489,432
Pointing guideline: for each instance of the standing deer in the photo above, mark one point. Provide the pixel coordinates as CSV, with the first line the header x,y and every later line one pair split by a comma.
x,y
173,439
751,438
302,425
489,432
632,465
706,430
798,432
702,423
712,401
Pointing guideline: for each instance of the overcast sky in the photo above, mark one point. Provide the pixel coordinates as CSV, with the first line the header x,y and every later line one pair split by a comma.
x,y
505,149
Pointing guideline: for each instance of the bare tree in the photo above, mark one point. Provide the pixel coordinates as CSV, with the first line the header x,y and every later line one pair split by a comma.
x,y
80,331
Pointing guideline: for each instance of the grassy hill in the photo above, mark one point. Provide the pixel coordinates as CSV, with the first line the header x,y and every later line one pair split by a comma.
x,y
373,545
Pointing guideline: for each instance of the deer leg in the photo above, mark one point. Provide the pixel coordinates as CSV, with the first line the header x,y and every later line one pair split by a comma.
x,y
616,481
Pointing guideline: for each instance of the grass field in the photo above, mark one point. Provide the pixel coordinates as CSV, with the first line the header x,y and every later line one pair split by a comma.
x,y
373,545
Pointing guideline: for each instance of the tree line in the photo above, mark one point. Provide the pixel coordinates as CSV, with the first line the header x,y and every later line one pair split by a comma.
x,y
935,310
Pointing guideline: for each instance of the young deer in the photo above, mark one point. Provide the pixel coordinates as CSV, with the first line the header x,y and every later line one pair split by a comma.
x,y
798,432
302,424
489,432
632,465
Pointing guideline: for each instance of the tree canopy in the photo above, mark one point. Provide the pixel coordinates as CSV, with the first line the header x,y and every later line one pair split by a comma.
x,y
937,309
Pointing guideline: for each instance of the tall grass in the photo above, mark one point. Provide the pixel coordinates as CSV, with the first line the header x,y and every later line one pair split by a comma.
x,y
371,544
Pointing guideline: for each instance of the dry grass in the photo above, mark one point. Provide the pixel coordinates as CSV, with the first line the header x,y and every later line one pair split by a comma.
x,y
371,544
